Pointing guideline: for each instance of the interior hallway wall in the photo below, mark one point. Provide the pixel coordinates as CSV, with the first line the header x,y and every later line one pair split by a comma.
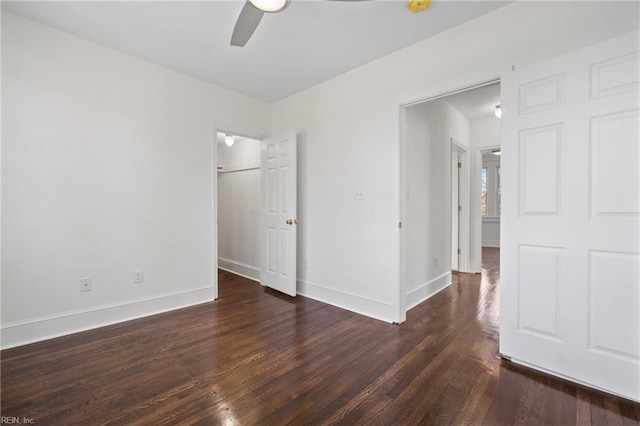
x,y
429,128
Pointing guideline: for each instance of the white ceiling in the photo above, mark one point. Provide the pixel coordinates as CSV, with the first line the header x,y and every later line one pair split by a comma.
x,y
307,43
476,103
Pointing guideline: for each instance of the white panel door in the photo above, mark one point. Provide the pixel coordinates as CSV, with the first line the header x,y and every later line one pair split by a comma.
x,y
278,180
570,274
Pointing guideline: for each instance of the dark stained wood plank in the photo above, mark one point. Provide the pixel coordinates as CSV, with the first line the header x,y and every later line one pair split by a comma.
x,y
259,357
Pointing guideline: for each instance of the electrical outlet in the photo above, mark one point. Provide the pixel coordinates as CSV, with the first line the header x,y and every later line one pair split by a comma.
x,y
85,284
358,195
137,276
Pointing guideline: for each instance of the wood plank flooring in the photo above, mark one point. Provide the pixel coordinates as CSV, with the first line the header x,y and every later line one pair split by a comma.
x,y
258,357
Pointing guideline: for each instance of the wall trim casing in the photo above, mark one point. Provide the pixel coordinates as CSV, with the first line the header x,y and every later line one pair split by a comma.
x,y
238,268
33,330
428,290
352,302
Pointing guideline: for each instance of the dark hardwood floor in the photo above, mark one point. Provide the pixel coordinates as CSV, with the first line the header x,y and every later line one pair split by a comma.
x,y
257,357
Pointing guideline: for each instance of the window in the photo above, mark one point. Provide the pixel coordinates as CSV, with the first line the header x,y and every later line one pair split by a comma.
x,y
498,192
491,187
483,197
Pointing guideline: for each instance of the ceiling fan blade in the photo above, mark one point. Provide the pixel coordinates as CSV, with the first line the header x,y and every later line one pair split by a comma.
x,y
246,24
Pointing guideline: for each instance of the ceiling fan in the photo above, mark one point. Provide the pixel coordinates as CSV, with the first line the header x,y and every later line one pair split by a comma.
x,y
253,11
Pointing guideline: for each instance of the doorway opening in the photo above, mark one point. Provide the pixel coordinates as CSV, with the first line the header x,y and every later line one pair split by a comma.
x,y
238,204
443,138
255,213
490,198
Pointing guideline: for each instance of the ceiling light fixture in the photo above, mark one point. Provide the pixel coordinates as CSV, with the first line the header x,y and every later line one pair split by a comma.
x,y
269,5
498,111
229,140
417,6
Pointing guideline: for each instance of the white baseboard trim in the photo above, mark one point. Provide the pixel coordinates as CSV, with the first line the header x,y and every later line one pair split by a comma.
x,y
33,330
491,243
426,290
475,267
352,302
247,271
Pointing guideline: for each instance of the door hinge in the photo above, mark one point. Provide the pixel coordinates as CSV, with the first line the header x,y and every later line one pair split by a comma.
x,y
399,225
459,251
459,165
459,208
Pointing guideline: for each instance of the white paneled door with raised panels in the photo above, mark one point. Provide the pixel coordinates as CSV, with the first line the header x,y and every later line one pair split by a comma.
x,y
570,297
278,177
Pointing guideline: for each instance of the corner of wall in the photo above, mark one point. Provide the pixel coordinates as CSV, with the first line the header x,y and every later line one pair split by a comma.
x,y
428,290
361,305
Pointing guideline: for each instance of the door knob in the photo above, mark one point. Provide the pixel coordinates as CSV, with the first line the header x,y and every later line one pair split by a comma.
x,y
292,221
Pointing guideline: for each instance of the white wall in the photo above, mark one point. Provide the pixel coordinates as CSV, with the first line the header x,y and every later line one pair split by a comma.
x,y
484,134
429,128
348,133
491,233
108,165
239,208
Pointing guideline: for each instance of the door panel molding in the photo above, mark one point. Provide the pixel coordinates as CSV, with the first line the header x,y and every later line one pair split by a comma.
x,y
570,264
278,236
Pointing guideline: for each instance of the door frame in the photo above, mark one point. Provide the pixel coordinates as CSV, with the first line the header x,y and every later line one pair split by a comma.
x,y
463,191
399,111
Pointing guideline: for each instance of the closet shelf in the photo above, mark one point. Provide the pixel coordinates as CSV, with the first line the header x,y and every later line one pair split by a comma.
x,y
238,168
